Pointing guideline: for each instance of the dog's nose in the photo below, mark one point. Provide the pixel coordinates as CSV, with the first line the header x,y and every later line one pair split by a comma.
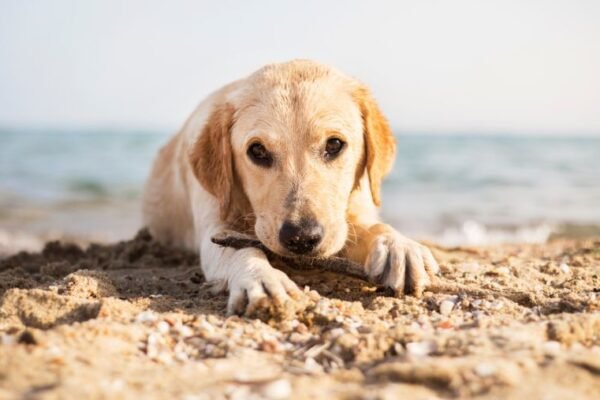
x,y
301,238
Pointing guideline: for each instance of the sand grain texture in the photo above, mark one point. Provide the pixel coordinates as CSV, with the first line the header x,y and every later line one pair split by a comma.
x,y
136,320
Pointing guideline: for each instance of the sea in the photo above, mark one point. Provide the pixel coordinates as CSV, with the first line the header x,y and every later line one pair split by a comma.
x,y
454,189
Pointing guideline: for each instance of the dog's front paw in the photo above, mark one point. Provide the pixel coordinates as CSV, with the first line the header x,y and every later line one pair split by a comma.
x,y
400,263
262,289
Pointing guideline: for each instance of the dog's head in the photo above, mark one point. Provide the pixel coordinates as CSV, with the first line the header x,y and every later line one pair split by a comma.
x,y
287,149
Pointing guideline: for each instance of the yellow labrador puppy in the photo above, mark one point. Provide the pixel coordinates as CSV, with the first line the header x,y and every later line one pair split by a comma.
x,y
294,153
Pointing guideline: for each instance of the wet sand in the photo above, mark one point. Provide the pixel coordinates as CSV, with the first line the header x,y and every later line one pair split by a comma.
x,y
136,320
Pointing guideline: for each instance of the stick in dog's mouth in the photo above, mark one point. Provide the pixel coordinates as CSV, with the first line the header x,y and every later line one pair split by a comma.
x,y
336,265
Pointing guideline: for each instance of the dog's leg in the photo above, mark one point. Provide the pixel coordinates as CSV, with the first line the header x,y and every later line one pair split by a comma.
x,y
251,280
391,258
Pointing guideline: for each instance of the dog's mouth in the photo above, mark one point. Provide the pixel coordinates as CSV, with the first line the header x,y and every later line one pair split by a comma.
x,y
237,240
281,251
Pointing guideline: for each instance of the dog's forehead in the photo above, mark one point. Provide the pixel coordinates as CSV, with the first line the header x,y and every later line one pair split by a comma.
x,y
306,109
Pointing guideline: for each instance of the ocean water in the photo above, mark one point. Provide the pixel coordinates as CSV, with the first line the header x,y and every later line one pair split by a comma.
x,y
454,189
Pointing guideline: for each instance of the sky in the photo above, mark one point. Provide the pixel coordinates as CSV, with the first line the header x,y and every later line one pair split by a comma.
x,y
434,66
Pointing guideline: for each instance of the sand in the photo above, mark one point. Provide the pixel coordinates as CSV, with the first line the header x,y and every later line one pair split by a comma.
x,y
136,320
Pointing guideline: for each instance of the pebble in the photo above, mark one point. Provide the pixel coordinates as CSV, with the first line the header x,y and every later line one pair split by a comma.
x,y
484,370
146,317
196,397
336,333
270,346
276,390
55,351
445,325
237,392
184,330
163,327
551,347
564,268
419,349
206,326
312,366
287,326
299,338
301,328
471,267
181,355
447,306
398,348
209,349
576,346
415,326
152,345
7,339
364,329
113,385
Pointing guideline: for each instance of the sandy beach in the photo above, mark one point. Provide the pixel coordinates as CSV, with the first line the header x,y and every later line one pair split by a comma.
x,y
136,320
309,131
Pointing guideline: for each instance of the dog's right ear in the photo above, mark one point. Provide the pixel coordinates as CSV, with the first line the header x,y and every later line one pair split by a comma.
x,y
211,157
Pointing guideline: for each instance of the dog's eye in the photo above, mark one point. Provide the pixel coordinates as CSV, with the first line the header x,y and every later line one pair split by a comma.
x,y
260,155
333,147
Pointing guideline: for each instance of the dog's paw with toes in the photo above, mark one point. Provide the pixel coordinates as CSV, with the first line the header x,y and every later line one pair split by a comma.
x,y
263,293
400,263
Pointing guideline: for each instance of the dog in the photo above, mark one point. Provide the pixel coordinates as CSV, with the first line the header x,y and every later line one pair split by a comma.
x,y
295,154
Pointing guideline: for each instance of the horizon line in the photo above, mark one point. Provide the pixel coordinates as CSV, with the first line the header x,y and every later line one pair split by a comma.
x,y
114,129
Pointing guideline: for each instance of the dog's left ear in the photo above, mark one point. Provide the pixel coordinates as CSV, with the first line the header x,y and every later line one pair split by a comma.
x,y
211,157
380,144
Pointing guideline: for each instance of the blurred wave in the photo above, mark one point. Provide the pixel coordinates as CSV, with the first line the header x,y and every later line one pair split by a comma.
x,y
454,189
489,189
42,167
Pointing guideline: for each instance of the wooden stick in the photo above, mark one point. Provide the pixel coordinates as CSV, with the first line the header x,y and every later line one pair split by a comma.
x,y
336,265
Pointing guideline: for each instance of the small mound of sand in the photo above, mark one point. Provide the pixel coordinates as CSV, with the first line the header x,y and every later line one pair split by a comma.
x,y
59,259
42,309
88,284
